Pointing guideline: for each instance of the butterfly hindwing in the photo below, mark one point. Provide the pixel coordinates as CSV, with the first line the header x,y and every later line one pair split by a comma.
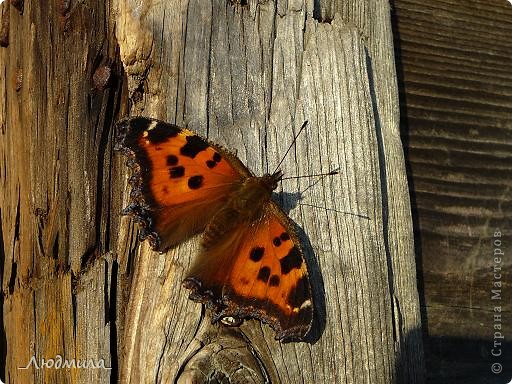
x,y
260,273
180,179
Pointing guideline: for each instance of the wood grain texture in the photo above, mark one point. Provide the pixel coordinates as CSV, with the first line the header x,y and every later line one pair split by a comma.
x,y
453,60
55,173
247,76
372,21
458,128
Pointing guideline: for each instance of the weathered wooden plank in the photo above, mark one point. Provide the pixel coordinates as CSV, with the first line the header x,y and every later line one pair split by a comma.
x,y
55,121
455,83
247,76
374,25
456,127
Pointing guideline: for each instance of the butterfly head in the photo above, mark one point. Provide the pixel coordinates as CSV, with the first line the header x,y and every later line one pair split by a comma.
x,y
272,180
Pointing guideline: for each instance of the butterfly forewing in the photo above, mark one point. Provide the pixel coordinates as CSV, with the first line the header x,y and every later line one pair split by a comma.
x,y
180,179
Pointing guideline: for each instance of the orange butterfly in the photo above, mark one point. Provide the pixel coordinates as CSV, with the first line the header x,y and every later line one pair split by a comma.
x,y
251,264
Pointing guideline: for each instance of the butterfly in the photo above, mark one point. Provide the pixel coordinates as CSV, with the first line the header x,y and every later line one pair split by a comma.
x,y
251,264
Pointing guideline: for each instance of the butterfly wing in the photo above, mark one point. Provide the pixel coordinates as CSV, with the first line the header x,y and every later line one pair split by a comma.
x,y
260,272
179,179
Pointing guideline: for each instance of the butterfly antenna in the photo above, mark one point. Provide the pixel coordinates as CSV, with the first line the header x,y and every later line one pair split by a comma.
x,y
335,172
336,210
291,145
321,175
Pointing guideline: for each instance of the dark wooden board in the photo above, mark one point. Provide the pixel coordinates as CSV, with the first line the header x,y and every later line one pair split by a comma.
x,y
455,81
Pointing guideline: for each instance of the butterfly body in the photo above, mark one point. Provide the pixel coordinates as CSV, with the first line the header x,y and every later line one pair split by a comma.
x,y
254,193
251,264
245,206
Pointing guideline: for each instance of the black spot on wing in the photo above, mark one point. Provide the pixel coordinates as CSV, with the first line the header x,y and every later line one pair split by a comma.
x,y
277,241
285,236
176,172
193,146
195,182
256,254
299,294
264,274
211,164
172,160
162,132
131,129
274,281
139,123
292,260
